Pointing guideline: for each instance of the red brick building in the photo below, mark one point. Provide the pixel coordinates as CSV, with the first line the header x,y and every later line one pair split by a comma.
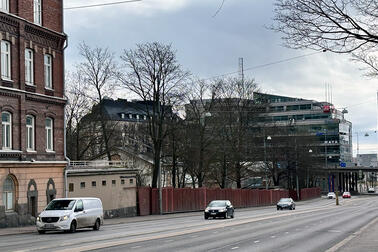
x,y
32,159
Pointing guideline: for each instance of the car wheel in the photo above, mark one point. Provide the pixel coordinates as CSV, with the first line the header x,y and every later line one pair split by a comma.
x,y
278,208
206,217
73,227
41,231
233,215
97,225
225,215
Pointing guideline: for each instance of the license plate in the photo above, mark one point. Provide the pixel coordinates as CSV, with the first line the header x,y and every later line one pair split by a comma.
x,y
49,226
213,213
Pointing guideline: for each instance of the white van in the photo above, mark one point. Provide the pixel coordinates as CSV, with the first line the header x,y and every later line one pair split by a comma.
x,y
69,214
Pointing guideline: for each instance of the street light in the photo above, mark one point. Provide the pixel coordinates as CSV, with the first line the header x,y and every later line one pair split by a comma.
x,y
308,175
266,165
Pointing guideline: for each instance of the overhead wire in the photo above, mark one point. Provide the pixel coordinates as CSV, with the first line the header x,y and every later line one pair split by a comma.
x,y
99,5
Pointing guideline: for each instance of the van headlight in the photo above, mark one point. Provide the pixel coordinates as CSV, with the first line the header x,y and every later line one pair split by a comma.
x,y
38,218
222,210
207,209
64,218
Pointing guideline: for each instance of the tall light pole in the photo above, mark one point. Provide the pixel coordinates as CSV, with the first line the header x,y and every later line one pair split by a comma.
x,y
308,175
266,165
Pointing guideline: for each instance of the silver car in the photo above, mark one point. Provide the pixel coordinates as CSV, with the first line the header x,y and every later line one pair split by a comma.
x,y
286,203
69,214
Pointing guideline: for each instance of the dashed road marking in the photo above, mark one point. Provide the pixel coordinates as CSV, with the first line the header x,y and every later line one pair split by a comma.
x,y
135,247
273,236
234,248
256,241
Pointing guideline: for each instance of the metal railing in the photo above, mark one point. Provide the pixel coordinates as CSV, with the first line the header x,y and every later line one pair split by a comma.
x,y
100,164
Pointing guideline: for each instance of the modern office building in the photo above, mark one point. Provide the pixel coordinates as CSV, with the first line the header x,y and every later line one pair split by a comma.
x,y
32,104
318,127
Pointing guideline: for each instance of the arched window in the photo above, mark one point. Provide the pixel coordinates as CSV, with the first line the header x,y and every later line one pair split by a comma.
x,y
9,194
6,130
30,138
49,134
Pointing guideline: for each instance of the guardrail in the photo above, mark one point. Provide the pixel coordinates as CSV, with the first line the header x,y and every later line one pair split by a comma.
x,y
100,164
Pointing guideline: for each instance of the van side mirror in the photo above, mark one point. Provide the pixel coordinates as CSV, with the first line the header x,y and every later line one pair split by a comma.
x,y
77,209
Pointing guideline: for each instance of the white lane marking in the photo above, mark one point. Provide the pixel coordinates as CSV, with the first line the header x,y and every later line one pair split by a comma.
x,y
287,232
256,241
169,240
234,248
215,232
334,231
135,247
273,236
194,236
350,237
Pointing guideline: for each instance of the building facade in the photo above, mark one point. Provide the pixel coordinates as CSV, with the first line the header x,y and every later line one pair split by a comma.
x,y
113,182
32,103
320,128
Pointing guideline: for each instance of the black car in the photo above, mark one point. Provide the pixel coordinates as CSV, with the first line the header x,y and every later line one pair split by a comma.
x,y
286,203
219,208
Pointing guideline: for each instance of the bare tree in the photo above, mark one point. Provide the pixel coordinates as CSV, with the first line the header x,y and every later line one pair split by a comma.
x,y
340,26
99,71
154,75
77,107
237,110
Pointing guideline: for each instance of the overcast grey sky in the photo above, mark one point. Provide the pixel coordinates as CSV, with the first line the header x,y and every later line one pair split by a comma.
x,y
210,46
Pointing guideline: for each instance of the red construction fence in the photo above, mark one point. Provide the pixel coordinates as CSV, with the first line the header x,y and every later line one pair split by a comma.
x,y
194,199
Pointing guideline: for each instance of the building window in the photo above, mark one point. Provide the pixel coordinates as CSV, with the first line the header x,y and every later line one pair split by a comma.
x,y
122,181
29,67
30,146
104,183
130,116
49,134
93,183
82,185
9,194
122,115
5,60
48,71
4,5
6,130
71,187
131,181
113,182
38,12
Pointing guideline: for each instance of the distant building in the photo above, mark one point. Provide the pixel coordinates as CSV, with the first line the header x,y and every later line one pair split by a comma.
x,y
367,160
32,108
325,130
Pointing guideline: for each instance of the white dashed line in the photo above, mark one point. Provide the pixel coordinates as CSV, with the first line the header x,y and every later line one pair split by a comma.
x,y
136,247
287,232
169,240
256,241
234,248
273,236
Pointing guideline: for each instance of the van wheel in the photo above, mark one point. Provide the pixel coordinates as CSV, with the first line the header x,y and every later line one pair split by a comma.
x,y
41,231
97,225
73,227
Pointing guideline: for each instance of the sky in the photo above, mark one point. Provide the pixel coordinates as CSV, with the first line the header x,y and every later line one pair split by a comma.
x,y
209,41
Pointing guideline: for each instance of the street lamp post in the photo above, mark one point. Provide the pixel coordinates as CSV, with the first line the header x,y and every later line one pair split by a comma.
x,y
308,175
266,165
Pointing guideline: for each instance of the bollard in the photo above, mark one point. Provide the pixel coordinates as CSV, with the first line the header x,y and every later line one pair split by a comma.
x,y
337,198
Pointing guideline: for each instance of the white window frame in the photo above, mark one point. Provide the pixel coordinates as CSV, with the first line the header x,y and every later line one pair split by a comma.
x,y
30,135
29,66
48,71
37,10
49,134
6,132
4,5
5,60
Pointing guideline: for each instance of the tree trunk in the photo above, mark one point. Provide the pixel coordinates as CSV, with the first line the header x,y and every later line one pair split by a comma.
x,y
173,162
224,172
155,172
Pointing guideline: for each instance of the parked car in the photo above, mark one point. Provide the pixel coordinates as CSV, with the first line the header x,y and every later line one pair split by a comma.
x,y
346,195
331,195
286,203
219,208
371,190
69,214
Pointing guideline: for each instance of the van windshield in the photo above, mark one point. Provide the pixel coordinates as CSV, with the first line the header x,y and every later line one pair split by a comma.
x,y
61,205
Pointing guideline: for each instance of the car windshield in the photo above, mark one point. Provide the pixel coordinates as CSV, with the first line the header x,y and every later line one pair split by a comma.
x,y
217,204
285,200
60,205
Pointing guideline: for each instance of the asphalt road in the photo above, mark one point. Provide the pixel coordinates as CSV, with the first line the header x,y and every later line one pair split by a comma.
x,y
317,225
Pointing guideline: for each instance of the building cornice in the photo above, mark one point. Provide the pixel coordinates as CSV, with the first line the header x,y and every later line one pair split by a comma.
x,y
61,100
